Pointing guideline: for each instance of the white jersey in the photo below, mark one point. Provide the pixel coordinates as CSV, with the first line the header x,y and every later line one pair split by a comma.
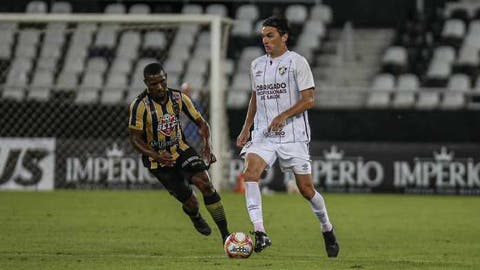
x,y
277,83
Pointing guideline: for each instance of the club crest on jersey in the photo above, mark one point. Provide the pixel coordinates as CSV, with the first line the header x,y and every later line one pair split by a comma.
x,y
167,124
282,70
176,96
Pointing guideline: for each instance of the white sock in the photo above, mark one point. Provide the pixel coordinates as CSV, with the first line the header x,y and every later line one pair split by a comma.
x,y
320,211
253,197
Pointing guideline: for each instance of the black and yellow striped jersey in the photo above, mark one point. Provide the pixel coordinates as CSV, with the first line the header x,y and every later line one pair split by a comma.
x,y
160,123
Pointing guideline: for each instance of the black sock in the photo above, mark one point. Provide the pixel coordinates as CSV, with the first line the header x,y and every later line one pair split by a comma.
x,y
214,206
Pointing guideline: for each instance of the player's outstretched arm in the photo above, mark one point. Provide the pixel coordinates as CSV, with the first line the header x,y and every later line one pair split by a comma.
x,y
252,110
139,144
305,102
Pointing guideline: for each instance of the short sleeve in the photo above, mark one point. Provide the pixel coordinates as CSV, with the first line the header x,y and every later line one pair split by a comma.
x,y
137,110
189,109
303,74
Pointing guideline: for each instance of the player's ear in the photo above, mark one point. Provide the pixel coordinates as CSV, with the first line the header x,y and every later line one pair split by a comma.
x,y
285,37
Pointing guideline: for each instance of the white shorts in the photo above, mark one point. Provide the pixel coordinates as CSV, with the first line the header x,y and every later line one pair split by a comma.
x,y
291,156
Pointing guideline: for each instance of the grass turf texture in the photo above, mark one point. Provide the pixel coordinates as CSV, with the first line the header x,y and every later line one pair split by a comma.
x,y
148,230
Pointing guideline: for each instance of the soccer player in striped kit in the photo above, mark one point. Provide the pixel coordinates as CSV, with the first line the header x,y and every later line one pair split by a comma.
x,y
282,85
156,133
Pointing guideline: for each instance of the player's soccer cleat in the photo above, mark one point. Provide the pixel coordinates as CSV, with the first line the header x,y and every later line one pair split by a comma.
x,y
201,225
331,244
261,241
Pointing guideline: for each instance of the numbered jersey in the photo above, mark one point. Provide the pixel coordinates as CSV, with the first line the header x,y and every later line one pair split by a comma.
x,y
277,83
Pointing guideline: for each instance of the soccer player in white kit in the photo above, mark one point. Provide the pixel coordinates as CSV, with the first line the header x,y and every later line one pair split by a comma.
x,y
282,85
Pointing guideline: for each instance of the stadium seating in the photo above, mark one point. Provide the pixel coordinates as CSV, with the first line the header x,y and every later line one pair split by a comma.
x,y
91,60
442,51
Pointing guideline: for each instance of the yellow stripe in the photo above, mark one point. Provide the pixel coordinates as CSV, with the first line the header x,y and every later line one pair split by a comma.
x,y
183,145
214,206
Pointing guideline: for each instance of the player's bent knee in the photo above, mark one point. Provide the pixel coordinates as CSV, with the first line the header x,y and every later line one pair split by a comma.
x,y
202,182
306,190
251,175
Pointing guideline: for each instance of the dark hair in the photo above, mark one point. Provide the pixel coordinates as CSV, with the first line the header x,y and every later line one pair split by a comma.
x,y
152,69
278,22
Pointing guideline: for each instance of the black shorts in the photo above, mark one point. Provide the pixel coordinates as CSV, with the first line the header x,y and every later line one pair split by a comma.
x,y
176,179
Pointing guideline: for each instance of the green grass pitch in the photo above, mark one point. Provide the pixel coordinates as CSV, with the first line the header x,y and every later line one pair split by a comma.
x,y
148,230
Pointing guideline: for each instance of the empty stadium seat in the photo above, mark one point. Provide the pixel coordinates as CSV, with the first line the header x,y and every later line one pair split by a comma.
x,y
67,81
37,7
107,36
5,51
7,36
296,14
248,12
454,97
61,7
179,53
173,65
444,54
202,52
197,66
54,37
155,40
88,89
242,28
47,63
382,87
139,9
438,73
453,32
96,64
217,9
192,9
395,60
404,97
15,84
113,92
129,44
196,80
20,64
25,51
467,62
428,99
29,37
115,8
321,13
314,28
121,65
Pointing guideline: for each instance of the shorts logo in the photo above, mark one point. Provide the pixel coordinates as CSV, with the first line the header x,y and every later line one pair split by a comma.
x,y
282,70
167,124
305,167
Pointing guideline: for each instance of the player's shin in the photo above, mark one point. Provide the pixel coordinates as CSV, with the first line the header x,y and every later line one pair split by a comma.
x,y
319,209
253,199
214,206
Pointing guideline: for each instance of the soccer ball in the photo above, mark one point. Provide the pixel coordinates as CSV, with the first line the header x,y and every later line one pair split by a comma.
x,y
238,245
